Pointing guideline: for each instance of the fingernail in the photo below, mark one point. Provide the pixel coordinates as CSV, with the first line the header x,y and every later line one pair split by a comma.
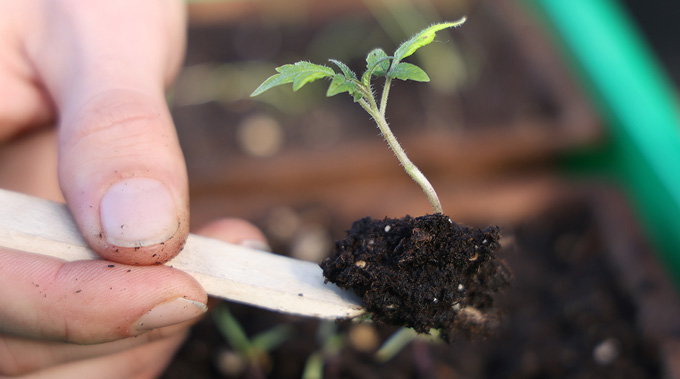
x,y
170,313
256,245
137,212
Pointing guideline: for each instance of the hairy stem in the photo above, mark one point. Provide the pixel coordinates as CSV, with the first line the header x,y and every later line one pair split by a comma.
x,y
409,167
385,95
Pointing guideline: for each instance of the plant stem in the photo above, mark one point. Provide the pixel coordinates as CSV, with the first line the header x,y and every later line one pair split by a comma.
x,y
409,167
385,95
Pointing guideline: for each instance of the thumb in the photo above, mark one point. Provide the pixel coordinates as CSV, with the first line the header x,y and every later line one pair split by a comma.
x,y
123,176
121,169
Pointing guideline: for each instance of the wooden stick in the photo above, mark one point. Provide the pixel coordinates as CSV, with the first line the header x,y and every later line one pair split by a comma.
x,y
227,271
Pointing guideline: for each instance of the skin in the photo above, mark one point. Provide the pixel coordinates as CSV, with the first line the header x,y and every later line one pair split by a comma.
x,y
97,71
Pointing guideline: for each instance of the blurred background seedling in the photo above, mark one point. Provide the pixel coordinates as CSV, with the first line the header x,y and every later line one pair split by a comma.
x,y
249,354
331,341
400,339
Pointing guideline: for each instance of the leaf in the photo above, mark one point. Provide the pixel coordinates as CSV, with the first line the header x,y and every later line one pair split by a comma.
x,y
299,74
232,330
272,338
340,84
374,58
357,95
407,71
345,70
423,38
345,82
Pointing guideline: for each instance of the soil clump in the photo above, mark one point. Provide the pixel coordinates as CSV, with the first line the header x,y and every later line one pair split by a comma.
x,y
425,273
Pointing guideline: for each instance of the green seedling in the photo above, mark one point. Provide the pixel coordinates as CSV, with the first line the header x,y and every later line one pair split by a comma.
x,y
253,351
425,272
331,342
399,340
378,64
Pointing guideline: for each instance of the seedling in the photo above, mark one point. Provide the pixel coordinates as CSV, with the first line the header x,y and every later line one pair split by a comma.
x,y
426,272
252,352
378,64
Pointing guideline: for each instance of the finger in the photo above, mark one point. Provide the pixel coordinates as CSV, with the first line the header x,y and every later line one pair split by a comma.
x,y
20,356
120,165
24,103
146,361
90,302
125,181
29,165
236,231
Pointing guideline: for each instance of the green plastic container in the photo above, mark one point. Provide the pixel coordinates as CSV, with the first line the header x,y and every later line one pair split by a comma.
x,y
638,104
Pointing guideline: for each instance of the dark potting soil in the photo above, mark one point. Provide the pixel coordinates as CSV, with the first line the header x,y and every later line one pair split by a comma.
x,y
425,272
564,316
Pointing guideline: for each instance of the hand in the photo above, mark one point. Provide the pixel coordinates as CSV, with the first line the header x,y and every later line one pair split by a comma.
x,y
98,69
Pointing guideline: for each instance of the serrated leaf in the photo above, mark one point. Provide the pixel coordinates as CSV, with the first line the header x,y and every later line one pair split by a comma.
x,y
340,84
345,70
307,77
423,38
272,81
299,74
407,71
374,58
